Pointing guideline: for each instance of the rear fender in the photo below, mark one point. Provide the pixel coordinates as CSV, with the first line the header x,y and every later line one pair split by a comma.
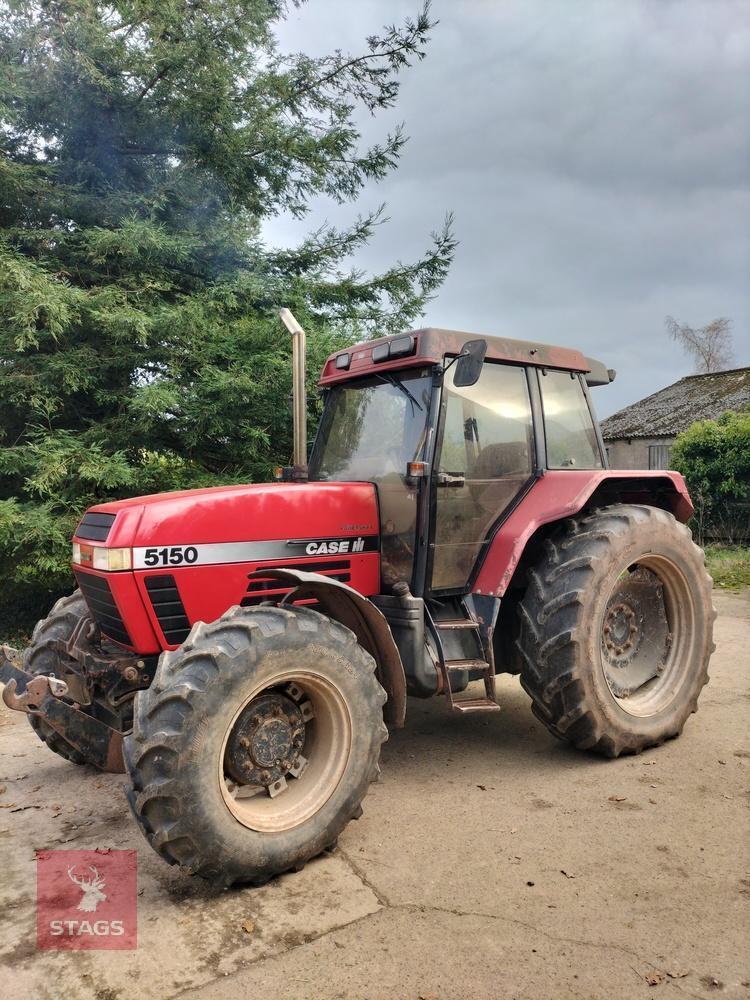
x,y
346,605
560,494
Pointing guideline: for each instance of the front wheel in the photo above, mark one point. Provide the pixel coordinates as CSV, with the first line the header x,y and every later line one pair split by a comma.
x,y
255,744
616,630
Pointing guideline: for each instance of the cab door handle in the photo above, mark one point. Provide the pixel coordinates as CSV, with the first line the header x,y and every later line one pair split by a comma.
x,y
454,479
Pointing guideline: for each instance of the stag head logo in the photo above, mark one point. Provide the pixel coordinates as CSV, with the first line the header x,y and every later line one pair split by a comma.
x,y
91,888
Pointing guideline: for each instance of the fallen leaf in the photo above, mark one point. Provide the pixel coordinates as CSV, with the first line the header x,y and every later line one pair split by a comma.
x,y
566,874
529,883
648,763
618,798
482,787
654,978
513,830
677,973
248,926
722,761
653,802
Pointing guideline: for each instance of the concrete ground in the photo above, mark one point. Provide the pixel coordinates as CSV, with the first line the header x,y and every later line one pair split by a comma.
x,y
491,861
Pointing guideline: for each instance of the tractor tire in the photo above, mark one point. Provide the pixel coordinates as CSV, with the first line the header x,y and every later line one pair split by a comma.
x,y
244,705
616,630
40,659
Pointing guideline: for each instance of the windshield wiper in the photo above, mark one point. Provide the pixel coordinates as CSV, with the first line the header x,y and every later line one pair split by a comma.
x,y
394,380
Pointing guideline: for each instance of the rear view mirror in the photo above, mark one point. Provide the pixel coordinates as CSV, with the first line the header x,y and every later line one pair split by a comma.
x,y
469,364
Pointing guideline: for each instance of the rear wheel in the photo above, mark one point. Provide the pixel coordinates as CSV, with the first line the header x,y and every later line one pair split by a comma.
x,y
255,744
616,630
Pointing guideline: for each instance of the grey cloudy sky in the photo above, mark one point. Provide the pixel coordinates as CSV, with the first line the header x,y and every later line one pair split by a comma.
x,y
596,154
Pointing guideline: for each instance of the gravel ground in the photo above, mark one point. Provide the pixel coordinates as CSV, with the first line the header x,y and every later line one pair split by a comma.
x,y
491,861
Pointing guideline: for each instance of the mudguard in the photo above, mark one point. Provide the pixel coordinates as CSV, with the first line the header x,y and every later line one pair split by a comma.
x,y
346,605
562,493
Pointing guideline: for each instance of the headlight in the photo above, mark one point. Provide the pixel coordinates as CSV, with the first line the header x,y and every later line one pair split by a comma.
x,y
99,557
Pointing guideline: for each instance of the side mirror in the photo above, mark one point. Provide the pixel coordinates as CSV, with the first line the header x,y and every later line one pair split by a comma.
x,y
469,364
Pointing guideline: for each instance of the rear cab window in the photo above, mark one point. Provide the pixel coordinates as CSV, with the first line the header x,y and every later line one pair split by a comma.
x,y
568,425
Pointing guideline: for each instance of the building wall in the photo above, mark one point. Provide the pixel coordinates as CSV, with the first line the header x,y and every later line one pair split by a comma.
x,y
639,453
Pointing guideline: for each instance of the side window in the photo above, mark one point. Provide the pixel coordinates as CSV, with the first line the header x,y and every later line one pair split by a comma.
x,y
568,427
487,440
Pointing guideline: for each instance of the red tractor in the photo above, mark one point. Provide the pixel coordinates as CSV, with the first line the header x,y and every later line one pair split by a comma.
x,y
239,651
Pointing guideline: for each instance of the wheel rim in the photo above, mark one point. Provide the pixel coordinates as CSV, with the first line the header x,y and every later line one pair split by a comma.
x,y
647,635
285,751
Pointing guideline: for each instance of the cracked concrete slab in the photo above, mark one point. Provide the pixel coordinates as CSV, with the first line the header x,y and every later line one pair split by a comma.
x,y
638,867
430,954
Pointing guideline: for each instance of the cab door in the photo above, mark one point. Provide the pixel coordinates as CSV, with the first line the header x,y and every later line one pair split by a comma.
x,y
485,460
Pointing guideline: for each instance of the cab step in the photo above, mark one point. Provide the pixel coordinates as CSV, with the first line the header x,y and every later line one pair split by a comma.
x,y
485,667
475,705
466,664
451,623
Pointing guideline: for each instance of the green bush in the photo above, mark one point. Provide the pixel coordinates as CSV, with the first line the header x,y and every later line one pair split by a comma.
x,y
714,458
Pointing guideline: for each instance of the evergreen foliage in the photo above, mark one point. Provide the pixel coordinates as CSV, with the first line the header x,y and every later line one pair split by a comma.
x,y
142,144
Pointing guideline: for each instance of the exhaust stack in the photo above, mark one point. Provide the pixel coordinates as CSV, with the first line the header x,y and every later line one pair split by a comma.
x,y
299,396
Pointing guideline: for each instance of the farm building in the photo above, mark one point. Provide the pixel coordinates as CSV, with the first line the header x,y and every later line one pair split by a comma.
x,y
641,436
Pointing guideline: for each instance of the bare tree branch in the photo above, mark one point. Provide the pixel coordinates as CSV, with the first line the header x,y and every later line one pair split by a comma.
x,y
711,347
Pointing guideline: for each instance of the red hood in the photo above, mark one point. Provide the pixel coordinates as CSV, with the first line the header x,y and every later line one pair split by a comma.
x,y
243,513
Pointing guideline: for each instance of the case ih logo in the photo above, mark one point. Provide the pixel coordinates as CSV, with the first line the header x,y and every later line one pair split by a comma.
x,y
86,900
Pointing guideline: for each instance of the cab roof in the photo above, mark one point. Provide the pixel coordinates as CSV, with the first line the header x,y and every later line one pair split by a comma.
x,y
430,345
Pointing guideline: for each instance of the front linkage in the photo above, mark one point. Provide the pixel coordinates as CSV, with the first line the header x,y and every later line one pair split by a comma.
x,y
68,704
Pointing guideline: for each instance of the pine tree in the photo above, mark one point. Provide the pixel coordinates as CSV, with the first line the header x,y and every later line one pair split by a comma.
x,y
142,144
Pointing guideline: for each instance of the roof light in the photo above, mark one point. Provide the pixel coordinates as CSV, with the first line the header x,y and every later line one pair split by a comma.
x,y
343,361
402,346
380,353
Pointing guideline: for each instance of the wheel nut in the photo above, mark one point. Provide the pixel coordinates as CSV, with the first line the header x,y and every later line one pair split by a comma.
x,y
607,629
610,644
130,674
265,776
244,742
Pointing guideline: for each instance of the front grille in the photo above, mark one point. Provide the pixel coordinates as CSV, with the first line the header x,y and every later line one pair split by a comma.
x,y
101,603
261,589
168,608
95,526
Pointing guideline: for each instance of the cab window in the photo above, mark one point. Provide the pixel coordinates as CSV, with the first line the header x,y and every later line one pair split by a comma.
x,y
568,425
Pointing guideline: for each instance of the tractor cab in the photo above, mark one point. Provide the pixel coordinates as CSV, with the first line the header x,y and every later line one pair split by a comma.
x,y
453,431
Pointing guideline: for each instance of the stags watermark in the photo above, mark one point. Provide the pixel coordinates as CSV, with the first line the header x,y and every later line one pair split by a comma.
x,y
86,900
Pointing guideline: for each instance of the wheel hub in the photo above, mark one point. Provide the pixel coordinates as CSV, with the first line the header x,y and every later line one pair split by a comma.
x,y
635,633
621,630
266,741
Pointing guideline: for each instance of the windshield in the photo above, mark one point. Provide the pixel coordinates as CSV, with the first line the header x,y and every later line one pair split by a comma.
x,y
372,429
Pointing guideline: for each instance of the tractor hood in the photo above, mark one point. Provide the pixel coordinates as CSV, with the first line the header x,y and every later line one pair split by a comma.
x,y
151,567
238,523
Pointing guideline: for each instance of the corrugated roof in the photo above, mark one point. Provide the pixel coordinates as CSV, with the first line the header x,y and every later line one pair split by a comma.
x,y
674,409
